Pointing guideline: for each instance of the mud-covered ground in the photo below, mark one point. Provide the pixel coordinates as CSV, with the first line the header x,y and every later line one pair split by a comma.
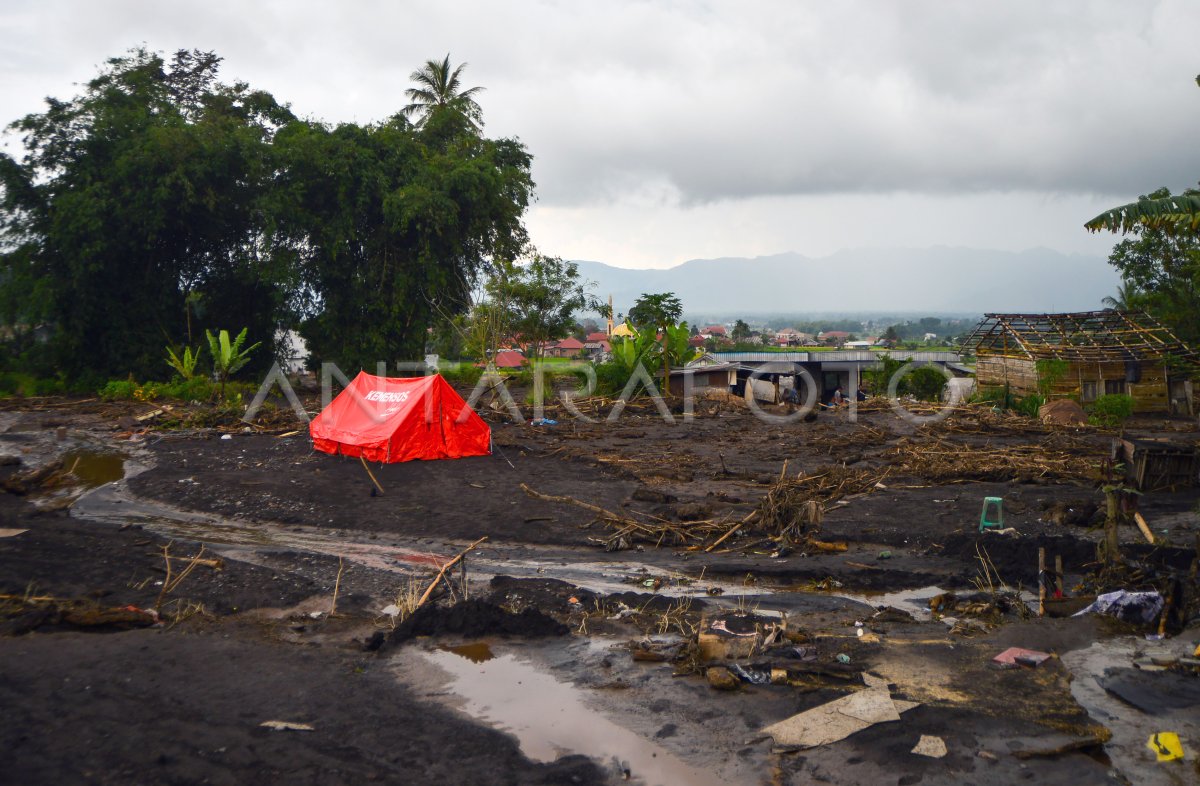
x,y
250,639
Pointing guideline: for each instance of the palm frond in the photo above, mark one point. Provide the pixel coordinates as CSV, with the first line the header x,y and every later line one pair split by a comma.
x,y
1171,212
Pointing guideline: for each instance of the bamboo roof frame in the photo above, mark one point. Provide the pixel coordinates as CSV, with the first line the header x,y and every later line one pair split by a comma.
x,y
1108,336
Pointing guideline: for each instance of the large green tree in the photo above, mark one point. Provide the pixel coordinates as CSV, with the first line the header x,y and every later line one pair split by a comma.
x,y
130,197
160,203
540,299
390,228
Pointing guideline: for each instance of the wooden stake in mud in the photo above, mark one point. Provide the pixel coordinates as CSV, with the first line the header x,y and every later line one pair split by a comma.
x,y
1166,611
372,476
1041,582
1058,576
442,572
337,583
1112,543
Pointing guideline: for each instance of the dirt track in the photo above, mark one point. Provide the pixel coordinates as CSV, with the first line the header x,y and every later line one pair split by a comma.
x,y
165,705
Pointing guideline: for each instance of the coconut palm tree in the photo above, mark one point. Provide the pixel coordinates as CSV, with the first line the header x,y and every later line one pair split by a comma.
x,y
1127,298
439,87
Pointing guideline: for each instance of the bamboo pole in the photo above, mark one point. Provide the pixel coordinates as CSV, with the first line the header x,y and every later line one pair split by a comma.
x,y
372,476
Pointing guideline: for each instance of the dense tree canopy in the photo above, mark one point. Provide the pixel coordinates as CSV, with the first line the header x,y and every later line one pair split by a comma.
x,y
130,196
161,202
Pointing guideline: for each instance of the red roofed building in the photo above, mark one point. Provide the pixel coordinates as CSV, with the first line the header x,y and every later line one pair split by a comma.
x,y
599,335
567,348
509,358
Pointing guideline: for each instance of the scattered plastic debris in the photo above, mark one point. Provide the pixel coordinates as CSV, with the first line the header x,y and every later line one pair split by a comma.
x,y
1137,607
840,718
1166,746
1016,656
752,676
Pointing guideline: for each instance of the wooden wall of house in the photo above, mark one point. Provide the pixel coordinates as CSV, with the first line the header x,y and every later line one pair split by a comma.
x,y
996,371
1149,393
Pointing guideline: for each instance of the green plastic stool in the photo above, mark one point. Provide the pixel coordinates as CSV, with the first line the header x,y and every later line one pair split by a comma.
x,y
998,504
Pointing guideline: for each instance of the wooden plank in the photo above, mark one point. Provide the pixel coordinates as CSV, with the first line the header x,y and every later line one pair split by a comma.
x,y
1145,528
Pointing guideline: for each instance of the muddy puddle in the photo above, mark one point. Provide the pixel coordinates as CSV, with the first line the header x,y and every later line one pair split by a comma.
x,y
551,718
914,601
94,468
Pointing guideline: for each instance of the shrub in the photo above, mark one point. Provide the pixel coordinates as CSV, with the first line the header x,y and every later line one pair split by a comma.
x,y
461,374
14,383
925,383
118,390
194,389
611,378
1029,405
1111,409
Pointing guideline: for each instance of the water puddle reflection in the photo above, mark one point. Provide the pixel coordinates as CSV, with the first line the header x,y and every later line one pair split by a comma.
x,y
476,651
94,468
549,718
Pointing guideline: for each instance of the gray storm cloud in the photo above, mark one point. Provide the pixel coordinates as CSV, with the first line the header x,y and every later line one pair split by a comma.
x,y
673,105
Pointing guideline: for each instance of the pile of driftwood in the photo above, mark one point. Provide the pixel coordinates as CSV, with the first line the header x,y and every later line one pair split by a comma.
x,y
862,437
638,527
939,460
789,514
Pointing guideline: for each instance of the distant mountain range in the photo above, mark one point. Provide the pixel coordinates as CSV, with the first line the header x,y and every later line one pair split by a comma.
x,y
932,281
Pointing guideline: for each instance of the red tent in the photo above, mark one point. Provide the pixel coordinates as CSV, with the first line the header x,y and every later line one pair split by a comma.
x,y
388,420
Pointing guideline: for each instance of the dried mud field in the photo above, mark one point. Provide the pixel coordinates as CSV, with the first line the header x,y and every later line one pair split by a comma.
x,y
653,599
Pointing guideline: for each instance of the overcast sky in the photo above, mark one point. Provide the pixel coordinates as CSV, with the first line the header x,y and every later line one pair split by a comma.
x,y
666,131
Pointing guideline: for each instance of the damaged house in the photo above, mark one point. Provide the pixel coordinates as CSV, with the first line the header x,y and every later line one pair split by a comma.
x,y
1085,355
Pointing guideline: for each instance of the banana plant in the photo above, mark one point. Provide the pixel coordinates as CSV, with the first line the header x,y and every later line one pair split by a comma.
x,y
676,351
677,344
228,356
184,364
628,351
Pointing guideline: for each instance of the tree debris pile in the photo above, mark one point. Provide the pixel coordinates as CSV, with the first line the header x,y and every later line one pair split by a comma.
x,y
939,460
